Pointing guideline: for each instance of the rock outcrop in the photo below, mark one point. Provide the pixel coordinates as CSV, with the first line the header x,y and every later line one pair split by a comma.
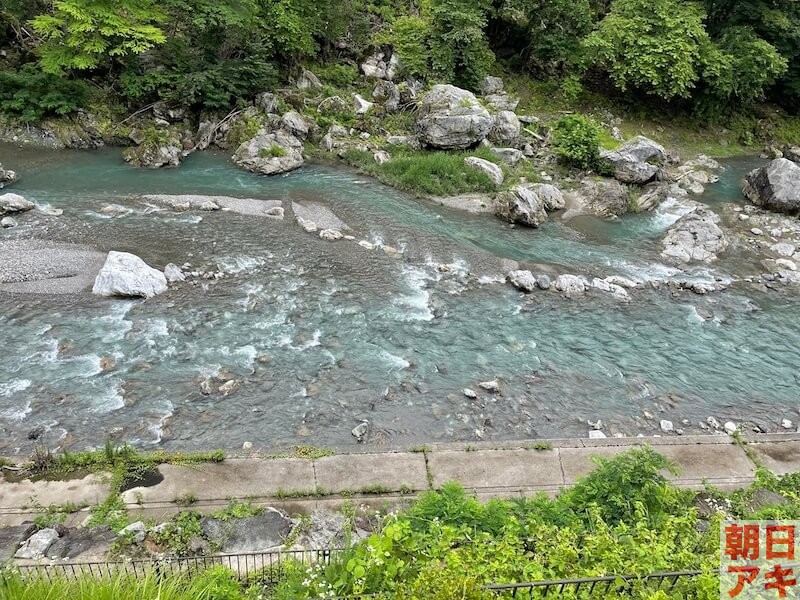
x,y
127,275
381,65
695,237
637,161
521,205
603,198
270,153
775,186
452,118
506,128
156,154
14,203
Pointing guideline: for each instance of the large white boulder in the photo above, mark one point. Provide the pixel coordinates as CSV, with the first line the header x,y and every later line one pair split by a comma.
x,y
270,153
452,118
491,170
127,275
521,205
775,186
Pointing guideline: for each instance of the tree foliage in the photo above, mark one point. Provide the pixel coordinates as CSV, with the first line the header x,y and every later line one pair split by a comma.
x,y
80,34
576,140
651,45
31,95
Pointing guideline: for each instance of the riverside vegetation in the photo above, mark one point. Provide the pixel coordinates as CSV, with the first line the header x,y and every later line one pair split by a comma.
x,y
623,518
77,67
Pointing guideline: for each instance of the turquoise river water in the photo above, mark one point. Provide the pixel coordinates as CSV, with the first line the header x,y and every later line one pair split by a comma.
x,y
322,335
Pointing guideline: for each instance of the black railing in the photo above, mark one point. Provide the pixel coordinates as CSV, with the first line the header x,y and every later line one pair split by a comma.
x,y
266,567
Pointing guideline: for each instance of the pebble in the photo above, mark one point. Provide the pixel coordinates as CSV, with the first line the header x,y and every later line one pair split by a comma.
x,y
756,231
730,427
712,422
8,222
744,217
470,393
786,264
666,426
490,386
596,434
648,415
247,446
786,424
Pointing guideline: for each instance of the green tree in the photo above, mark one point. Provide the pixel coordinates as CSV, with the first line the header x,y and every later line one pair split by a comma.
x,y
555,31
459,50
651,45
81,34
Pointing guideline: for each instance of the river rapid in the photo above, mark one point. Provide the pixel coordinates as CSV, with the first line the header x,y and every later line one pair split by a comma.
x,y
320,335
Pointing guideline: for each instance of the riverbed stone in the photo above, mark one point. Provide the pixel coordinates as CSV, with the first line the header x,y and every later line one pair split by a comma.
x,y
570,284
173,273
6,176
783,249
491,170
35,547
602,198
8,222
492,386
330,235
522,280
127,275
14,203
543,282
521,205
775,186
270,153
250,534
549,195
452,118
696,236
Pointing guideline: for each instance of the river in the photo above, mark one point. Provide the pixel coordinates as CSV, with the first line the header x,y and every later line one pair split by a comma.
x,y
322,335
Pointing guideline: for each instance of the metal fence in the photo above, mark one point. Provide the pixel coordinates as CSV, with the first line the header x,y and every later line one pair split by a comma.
x,y
265,567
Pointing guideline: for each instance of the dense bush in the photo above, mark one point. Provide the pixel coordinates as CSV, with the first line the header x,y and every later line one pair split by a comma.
x,y
32,95
576,140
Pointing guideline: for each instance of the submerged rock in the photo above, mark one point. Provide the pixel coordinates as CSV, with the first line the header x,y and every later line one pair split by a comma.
x,y
270,153
14,203
452,118
521,205
127,275
775,186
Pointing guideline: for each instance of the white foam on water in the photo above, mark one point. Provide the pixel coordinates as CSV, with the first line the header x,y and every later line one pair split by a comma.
x,y
83,367
490,279
395,362
694,316
669,212
15,385
644,273
415,303
111,400
312,343
235,265
115,325
157,429
16,413
190,219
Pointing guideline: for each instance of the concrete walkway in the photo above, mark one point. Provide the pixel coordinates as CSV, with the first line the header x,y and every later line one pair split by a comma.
x,y
487,469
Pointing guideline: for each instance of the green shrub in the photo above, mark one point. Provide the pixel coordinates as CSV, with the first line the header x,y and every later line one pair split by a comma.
x,y
31,95
338,75
576,140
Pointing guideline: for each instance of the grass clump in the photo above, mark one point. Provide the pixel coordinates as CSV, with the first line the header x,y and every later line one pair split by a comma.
x,y
274,151
425,173
238,510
